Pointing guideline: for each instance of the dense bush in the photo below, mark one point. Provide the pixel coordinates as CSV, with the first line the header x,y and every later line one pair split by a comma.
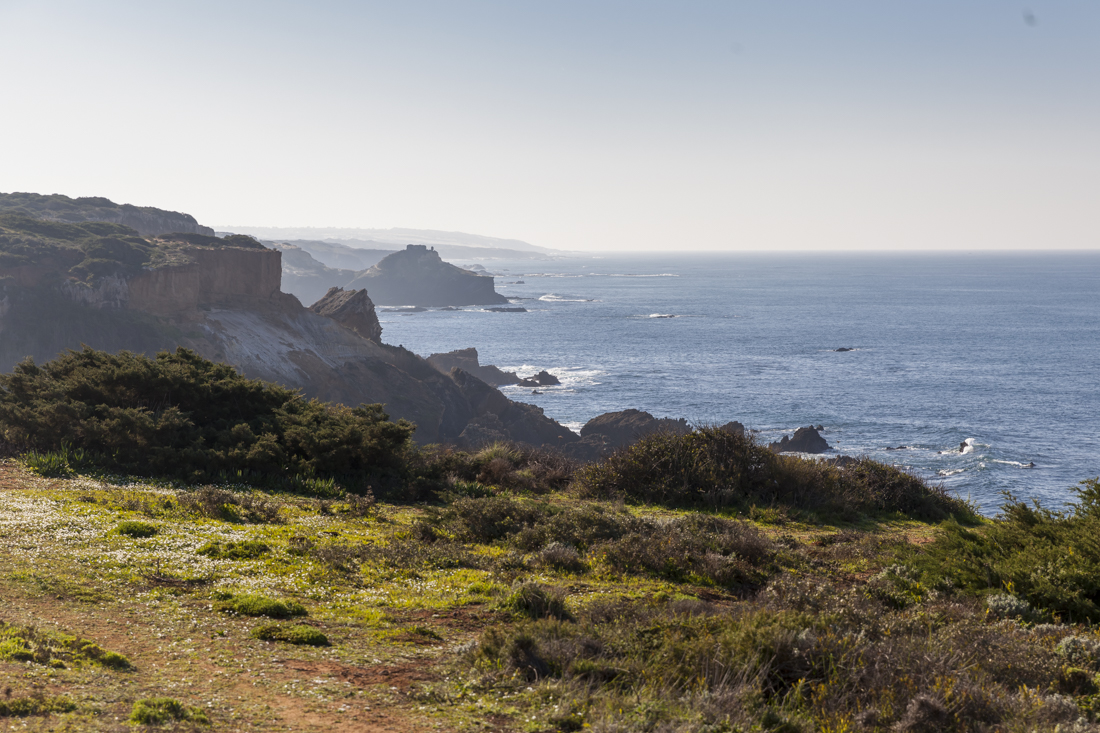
x,y
181,415
694,548
1045,559
710,467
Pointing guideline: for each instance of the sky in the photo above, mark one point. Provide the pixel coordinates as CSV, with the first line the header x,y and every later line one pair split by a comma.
x,y
589,125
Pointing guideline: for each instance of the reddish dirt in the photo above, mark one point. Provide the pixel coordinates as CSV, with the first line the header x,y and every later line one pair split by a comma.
x,y
400,676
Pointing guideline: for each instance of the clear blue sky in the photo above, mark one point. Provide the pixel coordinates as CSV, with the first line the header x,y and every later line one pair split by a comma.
x,y
575,125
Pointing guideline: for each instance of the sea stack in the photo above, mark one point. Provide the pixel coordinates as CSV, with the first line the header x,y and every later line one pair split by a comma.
x,y
418,276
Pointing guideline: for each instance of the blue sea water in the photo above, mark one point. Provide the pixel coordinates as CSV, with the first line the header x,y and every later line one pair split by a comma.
x,y
999,350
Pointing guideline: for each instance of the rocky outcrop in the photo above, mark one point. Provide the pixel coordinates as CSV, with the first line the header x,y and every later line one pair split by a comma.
x,y
499,418
467,361
352,309
417,276
542,379
805,440
606,433
734,427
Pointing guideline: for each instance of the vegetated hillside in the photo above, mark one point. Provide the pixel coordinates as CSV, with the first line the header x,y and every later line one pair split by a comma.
x,y
645,593
146,220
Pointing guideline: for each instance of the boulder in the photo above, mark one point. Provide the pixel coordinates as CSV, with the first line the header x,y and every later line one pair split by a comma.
x,y
805,440
352,309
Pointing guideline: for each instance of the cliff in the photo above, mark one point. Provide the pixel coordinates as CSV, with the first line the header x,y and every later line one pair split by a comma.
x,y
101,285
418,276
145,220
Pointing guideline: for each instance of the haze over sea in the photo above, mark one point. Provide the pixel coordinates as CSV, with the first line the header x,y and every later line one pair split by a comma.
x,y
1001,350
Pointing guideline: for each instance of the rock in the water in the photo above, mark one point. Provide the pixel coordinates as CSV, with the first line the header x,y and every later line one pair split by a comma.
x,y
843,348
467,360
350,308
507,310
735,428
623,428
605,433
805,440
418,276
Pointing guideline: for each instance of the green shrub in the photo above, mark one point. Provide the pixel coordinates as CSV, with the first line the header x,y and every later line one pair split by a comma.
x,y
180,415
159,710
1046,559
243,550
22,707
254,604
61,463
711,467
535,601
132,528
50,649
296,634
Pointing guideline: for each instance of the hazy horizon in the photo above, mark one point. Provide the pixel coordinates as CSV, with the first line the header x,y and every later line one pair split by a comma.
x,y
601,127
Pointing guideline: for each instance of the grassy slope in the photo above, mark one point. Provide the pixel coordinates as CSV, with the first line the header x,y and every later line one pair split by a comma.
x,y
403,623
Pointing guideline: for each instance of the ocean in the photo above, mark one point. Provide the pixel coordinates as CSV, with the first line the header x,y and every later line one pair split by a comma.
x,y
1000,351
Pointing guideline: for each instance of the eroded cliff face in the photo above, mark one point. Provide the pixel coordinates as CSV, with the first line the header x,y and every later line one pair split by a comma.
x,y
226,305
214,277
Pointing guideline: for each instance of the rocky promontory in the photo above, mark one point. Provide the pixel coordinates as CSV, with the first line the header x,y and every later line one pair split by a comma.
x,y
352,309
418,276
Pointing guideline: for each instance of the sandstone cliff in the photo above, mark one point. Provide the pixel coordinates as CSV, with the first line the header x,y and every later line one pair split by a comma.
x,y
417,276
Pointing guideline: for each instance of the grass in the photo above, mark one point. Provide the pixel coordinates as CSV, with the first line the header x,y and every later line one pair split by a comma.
x,y
535,609
159,710
296,634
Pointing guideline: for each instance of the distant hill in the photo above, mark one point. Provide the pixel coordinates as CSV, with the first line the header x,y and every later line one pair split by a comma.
x,y
417,275
395,238
145,220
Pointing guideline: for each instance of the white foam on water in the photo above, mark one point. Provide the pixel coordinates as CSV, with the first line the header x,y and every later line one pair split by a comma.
x,y
969,446
950,472
662,315
555,298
